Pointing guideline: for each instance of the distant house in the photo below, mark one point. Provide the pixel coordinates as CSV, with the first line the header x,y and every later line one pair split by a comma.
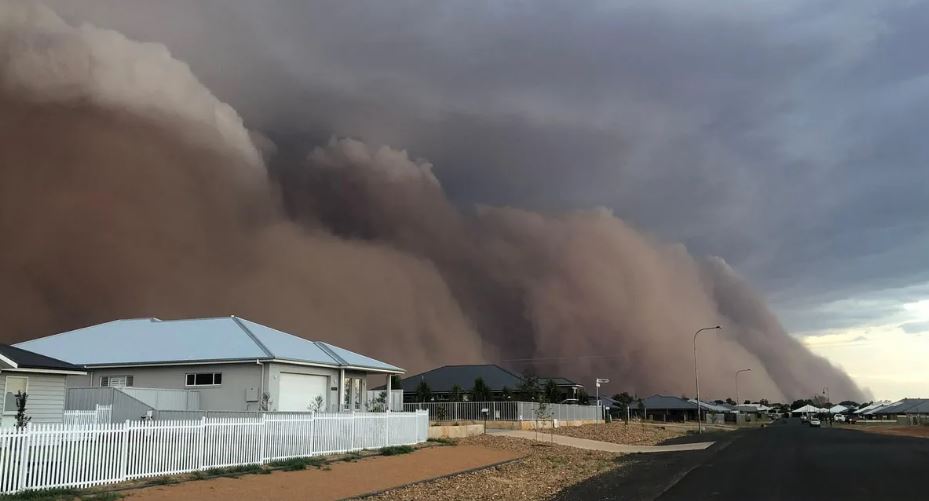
x,y
668,408
443,380
41,378
230,363
903,407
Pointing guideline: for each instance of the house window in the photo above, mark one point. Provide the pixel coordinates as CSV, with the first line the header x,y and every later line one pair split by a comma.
x,y
205,379
116,381
14,384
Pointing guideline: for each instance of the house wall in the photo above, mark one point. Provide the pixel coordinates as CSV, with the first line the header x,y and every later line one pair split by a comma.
x,y
239,391
46,397
241,387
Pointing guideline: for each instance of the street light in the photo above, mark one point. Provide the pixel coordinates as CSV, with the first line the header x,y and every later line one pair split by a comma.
x,y
697,376
738,400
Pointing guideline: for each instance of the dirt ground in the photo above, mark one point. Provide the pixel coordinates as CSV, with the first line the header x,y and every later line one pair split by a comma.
x,y
338,480
903,431
540,475
618,432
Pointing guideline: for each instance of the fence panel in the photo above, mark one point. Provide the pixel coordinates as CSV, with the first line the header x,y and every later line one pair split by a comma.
x,y
85,454
505,411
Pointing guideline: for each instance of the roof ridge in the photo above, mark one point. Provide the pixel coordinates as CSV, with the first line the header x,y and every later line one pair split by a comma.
x,y
325,347
252,335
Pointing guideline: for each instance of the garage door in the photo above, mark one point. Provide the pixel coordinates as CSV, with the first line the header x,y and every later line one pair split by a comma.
x,y
299,391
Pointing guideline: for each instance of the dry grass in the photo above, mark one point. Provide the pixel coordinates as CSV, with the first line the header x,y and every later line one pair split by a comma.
x,y
618,432
920,431
544,471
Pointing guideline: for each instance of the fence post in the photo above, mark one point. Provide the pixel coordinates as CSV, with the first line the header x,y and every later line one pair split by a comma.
x,y
262,435
124,452
353,430
387,429
202,441
25,443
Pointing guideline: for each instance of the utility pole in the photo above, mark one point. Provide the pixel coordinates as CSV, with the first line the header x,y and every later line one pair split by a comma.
x,y
697,376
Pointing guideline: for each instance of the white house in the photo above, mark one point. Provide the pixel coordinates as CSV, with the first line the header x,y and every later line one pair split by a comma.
x,y
232,364
41,378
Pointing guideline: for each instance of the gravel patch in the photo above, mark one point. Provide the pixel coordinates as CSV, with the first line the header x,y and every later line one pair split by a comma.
x,y
541,474
618,432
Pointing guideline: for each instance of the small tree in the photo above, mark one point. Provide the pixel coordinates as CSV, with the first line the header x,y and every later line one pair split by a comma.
x,y
730,401
551,392
21,418
395,381
423,392
481,391
317,404
583,398
506,394
456,393
529,388
624,399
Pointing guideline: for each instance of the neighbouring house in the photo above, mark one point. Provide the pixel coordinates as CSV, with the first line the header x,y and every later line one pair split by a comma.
x,y
443,380
230,363
42,378
808,410
907,406
758,409
867,411
668,408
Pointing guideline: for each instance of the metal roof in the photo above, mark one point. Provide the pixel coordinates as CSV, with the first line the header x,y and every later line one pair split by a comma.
x,y
905,406
714,407
559,381
665,402
18,358
868,409
150,341
442,379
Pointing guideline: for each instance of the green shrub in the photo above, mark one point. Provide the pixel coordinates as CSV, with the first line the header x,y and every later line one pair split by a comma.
x,y
295,464
246,468
42,495
61,494
102,496
396,449
443,441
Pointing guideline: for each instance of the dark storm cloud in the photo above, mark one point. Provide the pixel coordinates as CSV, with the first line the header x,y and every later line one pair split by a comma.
x,y
156,200
784,136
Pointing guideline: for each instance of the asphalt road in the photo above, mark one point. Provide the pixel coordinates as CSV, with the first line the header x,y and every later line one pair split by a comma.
x,y
787,460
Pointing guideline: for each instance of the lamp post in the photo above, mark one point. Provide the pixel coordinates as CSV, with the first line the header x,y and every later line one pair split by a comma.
x,y
697,376
738,400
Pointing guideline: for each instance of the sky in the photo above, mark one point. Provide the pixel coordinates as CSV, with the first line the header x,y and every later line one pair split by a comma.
x,y
786,137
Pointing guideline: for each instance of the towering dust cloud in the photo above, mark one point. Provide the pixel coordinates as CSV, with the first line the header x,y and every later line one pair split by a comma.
x,y
127,189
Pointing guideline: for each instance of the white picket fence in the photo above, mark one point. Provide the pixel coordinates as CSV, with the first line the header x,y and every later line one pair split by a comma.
x,y
45,456
102,414
506,411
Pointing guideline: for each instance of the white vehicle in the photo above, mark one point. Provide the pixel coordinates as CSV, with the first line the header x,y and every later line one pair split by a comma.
x,y
804,418
814,422
840,418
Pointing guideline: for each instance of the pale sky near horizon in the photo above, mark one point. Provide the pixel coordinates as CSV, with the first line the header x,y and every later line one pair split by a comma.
x,y
787,137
